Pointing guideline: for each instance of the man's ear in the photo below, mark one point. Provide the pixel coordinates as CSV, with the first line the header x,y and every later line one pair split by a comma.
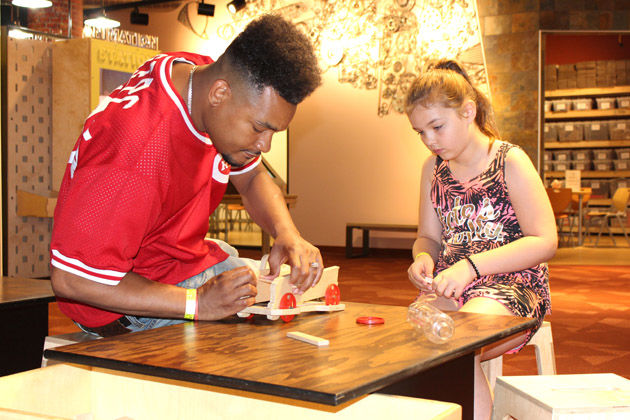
x,y
219,91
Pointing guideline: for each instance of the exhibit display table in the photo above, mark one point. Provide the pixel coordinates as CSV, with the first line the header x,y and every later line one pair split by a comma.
x,y
257,356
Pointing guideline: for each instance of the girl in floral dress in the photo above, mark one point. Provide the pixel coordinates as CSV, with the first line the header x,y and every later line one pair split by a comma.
x,y
486,227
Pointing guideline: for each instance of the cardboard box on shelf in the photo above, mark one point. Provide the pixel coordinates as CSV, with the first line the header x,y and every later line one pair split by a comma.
x,y
621,73
551,132
619,129
605,103
561,165
623,153
582,104
602,164
570,131
600,187
582,165
561,155
623,101
603,154
621,164
582,154
561,105
596,130
551,77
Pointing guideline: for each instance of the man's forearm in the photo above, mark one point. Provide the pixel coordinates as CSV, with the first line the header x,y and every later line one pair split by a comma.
x,y
134,295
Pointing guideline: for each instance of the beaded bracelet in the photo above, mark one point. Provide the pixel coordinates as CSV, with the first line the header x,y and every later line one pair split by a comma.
x,y
473,266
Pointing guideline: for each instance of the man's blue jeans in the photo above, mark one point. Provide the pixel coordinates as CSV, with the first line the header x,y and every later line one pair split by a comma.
x,y
194,282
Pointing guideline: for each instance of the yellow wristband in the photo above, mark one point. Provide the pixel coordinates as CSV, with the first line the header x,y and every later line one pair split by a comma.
x,y
191,304
421,253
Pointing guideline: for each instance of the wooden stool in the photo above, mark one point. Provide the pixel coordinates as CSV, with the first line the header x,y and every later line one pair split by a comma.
x,y
545,356
562,397
53,341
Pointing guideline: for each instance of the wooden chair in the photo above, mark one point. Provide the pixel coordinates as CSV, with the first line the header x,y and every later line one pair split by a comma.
x,y
618,210
238,215
219,222
561,199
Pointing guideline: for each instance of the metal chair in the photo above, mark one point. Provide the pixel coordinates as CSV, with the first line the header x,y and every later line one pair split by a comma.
x,y
617,210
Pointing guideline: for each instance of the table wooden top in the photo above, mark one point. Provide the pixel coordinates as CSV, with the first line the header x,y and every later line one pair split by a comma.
x,y
17,291
257,355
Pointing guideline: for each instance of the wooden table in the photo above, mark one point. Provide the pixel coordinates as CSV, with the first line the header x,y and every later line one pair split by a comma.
x,y
257,355
265,239
23,323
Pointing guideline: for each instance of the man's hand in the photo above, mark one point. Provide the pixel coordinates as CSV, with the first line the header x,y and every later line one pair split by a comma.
x,y
305,261
226,294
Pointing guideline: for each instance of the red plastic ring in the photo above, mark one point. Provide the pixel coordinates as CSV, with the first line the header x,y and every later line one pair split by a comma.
x,y
370,320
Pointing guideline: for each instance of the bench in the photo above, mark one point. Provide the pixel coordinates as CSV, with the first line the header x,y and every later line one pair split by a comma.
x,y
366,228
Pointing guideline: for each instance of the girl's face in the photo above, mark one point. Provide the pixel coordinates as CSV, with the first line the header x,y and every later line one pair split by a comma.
x,y
445,131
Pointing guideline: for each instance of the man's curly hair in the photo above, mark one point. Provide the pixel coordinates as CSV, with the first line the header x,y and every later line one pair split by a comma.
x,y
273,52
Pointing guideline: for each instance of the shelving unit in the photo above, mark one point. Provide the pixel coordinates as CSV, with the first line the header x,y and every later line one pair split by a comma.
x,y
586,86
588,116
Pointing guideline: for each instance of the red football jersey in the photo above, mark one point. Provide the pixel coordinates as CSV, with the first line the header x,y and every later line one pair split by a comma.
x,y
138,190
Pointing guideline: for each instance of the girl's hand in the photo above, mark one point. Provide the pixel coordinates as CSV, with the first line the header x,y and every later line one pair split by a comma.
x,y
451,282
421,273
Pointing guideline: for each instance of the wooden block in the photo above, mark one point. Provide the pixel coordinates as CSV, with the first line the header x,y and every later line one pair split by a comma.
x,y
596,396
307,338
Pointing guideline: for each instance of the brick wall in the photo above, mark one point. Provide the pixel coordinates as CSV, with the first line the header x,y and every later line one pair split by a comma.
x,y
510,36
55,19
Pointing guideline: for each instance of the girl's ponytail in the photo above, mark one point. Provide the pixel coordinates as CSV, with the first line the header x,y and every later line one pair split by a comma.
x,y
445,81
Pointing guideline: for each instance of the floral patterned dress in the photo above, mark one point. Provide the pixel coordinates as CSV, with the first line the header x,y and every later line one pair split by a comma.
x,y
476,216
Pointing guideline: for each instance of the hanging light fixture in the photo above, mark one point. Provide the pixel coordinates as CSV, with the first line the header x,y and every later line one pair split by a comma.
x,y
235,5
101,21
32,4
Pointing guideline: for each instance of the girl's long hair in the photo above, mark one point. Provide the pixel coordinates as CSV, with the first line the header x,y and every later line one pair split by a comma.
x,y
445,82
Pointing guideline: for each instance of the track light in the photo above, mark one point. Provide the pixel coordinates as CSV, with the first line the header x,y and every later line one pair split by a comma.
x,y
205,9
32,4
235,5
138,18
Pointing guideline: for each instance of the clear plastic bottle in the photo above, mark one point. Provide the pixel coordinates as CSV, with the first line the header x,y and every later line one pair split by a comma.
x,y
437,326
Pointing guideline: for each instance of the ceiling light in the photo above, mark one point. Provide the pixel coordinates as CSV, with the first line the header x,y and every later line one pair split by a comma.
x,y
138,18
32,4
205,9
235,5
102,22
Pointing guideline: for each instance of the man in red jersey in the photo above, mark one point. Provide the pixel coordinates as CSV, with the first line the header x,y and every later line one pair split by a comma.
x,y
128,250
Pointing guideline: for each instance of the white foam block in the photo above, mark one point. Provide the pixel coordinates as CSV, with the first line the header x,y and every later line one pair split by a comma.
x,y
307,338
